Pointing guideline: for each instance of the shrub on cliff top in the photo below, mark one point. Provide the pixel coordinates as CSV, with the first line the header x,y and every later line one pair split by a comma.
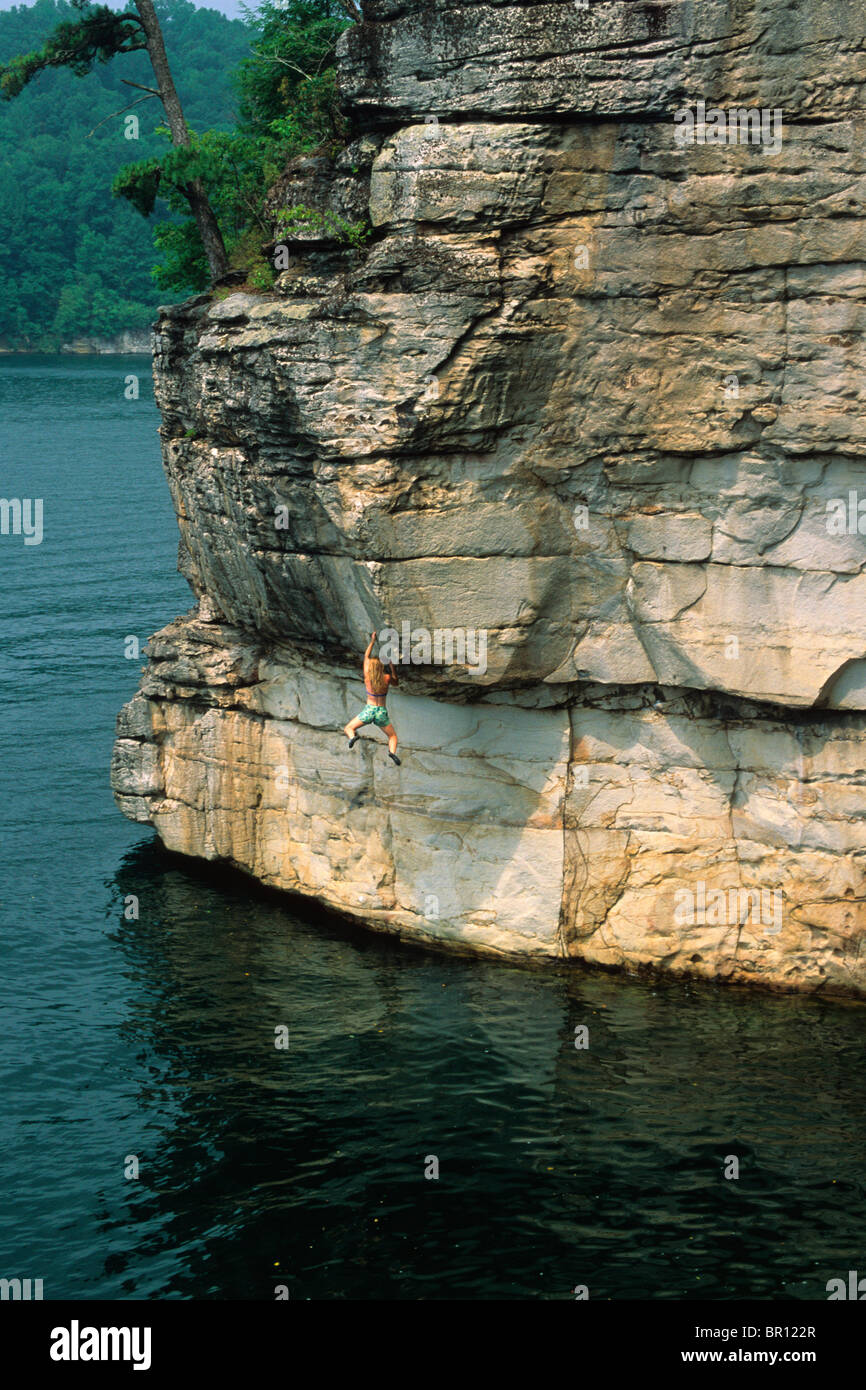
x,y
288,104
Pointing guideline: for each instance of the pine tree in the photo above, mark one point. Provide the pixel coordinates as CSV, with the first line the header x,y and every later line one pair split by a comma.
x,y
98,36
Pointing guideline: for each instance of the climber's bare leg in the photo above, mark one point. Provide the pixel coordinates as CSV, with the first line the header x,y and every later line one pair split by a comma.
x,y
351,729
391,733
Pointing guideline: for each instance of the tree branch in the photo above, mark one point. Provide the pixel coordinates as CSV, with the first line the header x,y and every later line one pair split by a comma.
x,y
152,90
137,102
272,58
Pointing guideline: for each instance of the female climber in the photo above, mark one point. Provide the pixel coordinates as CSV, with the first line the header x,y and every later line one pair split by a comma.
x,y
376,682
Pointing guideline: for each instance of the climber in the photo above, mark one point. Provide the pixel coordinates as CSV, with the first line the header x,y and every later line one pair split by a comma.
x,y
377,682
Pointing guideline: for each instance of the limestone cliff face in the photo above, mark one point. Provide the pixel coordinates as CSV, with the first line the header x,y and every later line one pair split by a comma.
x,y
592,393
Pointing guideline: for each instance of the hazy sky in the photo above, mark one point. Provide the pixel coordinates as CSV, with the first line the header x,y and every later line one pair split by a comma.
x,y
229,7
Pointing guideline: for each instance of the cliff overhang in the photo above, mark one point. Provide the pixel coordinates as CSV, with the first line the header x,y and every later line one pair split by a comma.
x,y
595,394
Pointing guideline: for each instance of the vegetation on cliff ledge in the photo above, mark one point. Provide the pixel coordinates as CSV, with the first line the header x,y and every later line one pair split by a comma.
x,y
255,92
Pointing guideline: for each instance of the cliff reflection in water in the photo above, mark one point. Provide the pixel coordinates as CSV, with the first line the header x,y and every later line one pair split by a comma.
x,y
558,1167
155,1037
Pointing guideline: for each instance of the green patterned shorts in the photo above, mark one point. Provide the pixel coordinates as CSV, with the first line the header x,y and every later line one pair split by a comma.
x,y
375,714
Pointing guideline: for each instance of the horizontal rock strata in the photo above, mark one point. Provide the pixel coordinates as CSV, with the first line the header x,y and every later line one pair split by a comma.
x,y
575,830
595,394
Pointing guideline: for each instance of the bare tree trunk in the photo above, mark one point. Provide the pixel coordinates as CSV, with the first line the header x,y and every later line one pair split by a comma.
x,y
211,236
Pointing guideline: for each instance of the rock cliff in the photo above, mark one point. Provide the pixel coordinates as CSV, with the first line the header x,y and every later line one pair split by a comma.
x,y
582,425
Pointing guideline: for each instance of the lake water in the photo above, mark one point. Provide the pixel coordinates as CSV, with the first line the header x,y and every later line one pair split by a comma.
x,y
304,1167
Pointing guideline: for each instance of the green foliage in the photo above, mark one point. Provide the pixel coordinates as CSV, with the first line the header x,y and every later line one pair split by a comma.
x,y
261,277
288,105
183,258
255,92
315,119
139,184
247,255
297,220
292,66
75,45
73,260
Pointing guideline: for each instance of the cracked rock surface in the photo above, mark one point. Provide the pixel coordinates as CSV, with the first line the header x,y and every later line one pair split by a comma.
x,y
596,394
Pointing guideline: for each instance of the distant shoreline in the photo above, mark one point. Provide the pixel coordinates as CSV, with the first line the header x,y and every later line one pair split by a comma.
x,y
119,345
